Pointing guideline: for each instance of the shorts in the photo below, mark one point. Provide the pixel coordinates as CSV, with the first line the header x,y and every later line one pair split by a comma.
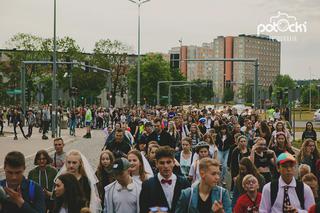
x,y
88,123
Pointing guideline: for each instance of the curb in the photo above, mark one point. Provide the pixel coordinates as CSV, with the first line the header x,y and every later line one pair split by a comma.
x,y
50,149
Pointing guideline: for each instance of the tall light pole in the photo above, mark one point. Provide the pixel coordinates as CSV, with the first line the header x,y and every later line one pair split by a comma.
x,y
138,3
54,75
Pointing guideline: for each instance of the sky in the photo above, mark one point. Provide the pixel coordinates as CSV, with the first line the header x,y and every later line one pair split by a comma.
x,y
165,22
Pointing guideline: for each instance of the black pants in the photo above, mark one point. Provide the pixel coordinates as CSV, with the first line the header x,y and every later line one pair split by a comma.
x,y
15,129
45,127
30,130
1,127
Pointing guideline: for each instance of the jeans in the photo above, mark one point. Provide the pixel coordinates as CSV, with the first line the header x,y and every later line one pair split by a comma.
x,y
223,158
73,124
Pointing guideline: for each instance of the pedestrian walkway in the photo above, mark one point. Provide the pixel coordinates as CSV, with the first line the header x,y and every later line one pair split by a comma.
x,y
32,145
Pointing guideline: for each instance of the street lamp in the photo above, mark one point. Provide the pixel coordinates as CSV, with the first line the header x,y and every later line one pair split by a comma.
x,y
54,76
138,3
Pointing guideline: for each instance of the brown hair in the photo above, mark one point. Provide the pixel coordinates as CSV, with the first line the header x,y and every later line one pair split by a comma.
x,y
14,159
111,157
45,154
142,172
165,151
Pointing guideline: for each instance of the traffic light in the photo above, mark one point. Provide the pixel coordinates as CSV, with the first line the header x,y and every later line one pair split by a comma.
x,y
26,92
86,63
73,91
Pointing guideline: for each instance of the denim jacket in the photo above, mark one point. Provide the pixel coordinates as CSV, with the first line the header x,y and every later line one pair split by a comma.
x,y
187,204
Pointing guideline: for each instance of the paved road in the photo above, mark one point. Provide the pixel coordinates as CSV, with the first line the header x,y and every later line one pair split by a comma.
x,y
89,147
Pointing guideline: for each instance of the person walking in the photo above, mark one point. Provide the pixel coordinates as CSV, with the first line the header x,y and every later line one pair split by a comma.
x,y
286,194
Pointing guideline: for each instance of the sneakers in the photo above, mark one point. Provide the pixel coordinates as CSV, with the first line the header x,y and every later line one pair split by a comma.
x,y
15,138
44,137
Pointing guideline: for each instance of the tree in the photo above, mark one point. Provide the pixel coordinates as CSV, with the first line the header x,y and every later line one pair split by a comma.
x,y
305,95
153,69
228,94
113,55
246,91
284,81
201,91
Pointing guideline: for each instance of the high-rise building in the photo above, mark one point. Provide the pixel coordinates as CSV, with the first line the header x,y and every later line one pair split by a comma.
x,y
230,74
192,69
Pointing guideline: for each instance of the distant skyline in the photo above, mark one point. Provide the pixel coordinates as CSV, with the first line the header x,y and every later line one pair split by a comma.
x,y
165,22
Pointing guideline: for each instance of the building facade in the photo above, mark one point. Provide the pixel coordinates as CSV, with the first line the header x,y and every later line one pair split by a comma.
x,y
230,74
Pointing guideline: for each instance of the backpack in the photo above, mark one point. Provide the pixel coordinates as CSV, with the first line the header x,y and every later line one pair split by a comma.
x,y
299,190
31,189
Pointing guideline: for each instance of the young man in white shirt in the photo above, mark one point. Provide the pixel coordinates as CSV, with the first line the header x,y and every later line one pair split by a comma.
x,y
164,189
122,196
286,194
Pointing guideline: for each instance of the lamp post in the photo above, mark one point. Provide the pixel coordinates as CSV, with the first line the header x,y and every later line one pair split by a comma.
x,y
54,76
138,3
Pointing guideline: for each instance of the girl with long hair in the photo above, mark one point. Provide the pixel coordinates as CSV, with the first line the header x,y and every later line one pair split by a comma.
x,y
69,196
246,167
172,130
309,132
185,157
137,169
224,141
213,149
78,165
263,158
104,172
280,127
309,154
238,153
282,144
195,134
151,156
263,131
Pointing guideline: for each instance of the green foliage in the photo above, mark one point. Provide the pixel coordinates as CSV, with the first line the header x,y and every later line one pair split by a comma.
x,y
153,68
112,55
201,91
305,95
107,54
284,81
246,92
228,94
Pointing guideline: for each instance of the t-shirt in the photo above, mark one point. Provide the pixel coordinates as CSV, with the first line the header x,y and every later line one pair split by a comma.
x,y
194,171
245,204
204,206
58,160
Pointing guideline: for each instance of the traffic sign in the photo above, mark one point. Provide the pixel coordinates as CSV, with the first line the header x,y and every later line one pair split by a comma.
x,y
14,91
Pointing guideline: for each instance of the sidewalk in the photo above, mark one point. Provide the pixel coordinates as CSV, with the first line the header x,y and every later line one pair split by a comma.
x,y
32,145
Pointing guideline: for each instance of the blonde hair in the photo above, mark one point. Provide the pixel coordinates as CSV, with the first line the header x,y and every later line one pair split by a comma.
x,y
205,163
248,177
81,167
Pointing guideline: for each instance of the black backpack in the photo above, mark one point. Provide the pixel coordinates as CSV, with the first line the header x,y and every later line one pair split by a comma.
x,y
299,190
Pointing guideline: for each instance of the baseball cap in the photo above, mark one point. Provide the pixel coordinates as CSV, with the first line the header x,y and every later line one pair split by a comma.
x,y
285,157
120,165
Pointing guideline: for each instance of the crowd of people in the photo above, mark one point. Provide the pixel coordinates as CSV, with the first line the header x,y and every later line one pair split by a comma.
x,y
170,160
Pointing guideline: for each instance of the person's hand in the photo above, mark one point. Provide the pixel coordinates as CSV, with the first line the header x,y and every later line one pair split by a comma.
x,y
47,193
15,196
290,209
217,207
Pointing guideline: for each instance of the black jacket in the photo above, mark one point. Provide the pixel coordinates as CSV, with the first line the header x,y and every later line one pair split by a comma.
x,y
152,194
